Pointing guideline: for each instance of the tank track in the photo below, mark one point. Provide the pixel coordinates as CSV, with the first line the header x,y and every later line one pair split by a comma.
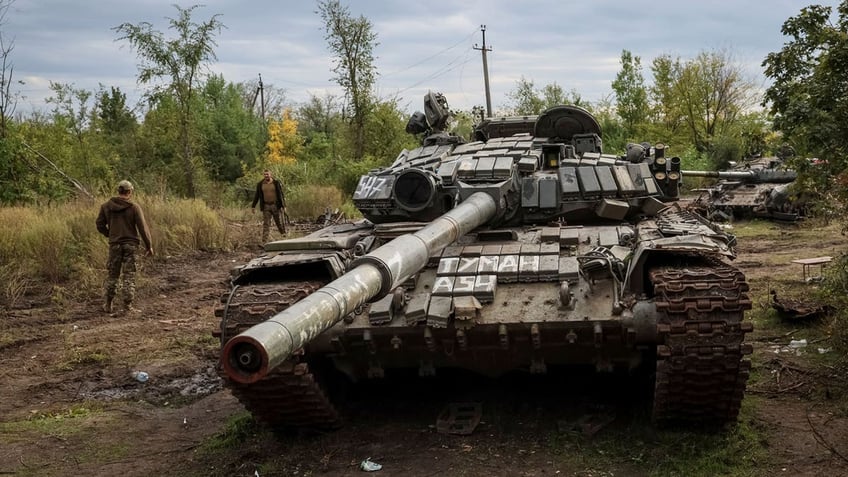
x,y
701,372
291,396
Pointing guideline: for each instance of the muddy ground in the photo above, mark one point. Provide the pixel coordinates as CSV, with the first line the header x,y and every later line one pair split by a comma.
x,y
69,404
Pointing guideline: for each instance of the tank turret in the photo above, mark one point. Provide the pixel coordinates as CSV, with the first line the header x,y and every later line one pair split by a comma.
x,y
526,248
550,167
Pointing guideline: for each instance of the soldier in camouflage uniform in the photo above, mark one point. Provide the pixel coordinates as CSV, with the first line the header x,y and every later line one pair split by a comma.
x,y
272,202
122,222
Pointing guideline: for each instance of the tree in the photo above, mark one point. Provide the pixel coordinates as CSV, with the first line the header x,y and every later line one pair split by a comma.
x,y
8,100
71,112
71,108
385,131
114,118
553,94
263,97
613,132
630,93
712,92
352,42
319,115
808,98
320,123
232,135
808,92
527,100
180,61
284,142
664,108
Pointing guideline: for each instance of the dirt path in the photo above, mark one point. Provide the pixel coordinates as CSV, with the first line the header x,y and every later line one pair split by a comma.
x,y
70,406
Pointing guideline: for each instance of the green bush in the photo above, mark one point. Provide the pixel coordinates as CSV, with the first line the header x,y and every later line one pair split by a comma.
x,y
692,160
834,291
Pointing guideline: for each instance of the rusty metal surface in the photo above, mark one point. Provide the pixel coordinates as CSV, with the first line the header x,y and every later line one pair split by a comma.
x,y
289,397
701,370
248,305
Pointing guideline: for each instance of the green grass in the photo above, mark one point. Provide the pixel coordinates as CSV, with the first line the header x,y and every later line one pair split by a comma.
x,y
60,424
762,229
240,428
78,423
642,450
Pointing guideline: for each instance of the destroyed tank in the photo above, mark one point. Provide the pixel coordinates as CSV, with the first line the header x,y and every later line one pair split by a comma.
x,y
758,187
526,249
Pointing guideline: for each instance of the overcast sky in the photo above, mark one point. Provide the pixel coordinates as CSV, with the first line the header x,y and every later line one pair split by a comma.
x,y
422,45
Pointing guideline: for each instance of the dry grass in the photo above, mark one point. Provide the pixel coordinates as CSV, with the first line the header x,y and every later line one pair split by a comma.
x,y
309,201
61,246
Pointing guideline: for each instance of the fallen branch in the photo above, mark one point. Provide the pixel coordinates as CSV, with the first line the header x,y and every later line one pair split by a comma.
x,y
821,440
777,391
777,337
790,388
70,179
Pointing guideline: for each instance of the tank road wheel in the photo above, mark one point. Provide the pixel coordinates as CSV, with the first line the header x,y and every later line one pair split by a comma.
x,y
701,369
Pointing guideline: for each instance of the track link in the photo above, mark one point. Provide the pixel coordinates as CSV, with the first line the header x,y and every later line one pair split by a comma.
x,y
291,396
701,371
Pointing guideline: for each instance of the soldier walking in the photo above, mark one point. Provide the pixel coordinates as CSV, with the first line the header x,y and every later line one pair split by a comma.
x,y
122,222
269,194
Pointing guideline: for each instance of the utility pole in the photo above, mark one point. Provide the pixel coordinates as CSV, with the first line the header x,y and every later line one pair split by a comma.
x,y
260,92
484,49
261,97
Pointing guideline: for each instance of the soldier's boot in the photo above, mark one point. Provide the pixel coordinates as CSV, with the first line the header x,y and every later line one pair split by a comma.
x,y
129,309
107,305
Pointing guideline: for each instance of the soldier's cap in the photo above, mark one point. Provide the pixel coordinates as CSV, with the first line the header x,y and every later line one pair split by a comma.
x,y
125,186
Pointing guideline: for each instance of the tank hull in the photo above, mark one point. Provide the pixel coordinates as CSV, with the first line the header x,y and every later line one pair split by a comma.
x,y
683,321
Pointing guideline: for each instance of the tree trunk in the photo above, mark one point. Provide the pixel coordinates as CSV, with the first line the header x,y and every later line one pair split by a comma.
x,y
188,167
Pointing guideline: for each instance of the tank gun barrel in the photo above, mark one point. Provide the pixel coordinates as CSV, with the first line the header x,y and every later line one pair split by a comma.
x,y
251,355
779,176
741,175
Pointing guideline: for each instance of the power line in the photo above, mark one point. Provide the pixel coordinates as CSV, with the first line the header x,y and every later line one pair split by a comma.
x,y
467,38
441,71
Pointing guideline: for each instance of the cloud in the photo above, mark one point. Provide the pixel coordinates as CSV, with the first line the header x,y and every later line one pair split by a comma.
x,y
422,46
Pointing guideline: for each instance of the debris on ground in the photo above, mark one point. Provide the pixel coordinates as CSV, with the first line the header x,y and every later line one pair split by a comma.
x,y
588,424
459,418
798,310
368,466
